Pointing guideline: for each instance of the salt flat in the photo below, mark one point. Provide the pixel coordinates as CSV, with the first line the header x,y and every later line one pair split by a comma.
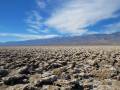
x,y
54,67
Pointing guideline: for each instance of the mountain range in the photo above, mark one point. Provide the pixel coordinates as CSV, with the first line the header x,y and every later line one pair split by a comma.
x,y
90,39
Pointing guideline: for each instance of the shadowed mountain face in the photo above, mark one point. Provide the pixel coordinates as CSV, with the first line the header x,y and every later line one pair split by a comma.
x,y
94,39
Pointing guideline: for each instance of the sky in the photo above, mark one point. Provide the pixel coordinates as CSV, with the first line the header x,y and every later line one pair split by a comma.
x,y
40,19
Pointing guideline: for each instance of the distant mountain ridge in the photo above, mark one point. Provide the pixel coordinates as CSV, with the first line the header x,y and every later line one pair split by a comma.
x,y
91,39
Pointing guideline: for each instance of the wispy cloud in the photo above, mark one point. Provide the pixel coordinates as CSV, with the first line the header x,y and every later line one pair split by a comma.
x,y
26,36
36,19
112,28
76,15
41,3
72,16
34,22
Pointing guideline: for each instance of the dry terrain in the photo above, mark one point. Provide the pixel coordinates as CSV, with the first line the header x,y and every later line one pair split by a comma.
x,y
60,68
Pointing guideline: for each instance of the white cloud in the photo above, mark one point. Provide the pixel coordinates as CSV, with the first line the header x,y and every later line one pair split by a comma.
x,y
34,22
32,31
112,28
78,14
41,3
26,36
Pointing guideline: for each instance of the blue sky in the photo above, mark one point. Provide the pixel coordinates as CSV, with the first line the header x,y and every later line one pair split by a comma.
x,y
37,19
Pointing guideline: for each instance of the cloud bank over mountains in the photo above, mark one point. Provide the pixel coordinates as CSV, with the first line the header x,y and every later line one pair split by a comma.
x,y
52,18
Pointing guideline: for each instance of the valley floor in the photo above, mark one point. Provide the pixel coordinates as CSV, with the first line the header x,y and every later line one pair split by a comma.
x,y
60,68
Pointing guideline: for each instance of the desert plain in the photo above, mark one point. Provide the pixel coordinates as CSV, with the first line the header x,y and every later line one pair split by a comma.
x,y
60,68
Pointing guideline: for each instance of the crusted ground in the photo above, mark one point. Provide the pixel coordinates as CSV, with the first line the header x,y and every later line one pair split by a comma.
x,y
60,68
